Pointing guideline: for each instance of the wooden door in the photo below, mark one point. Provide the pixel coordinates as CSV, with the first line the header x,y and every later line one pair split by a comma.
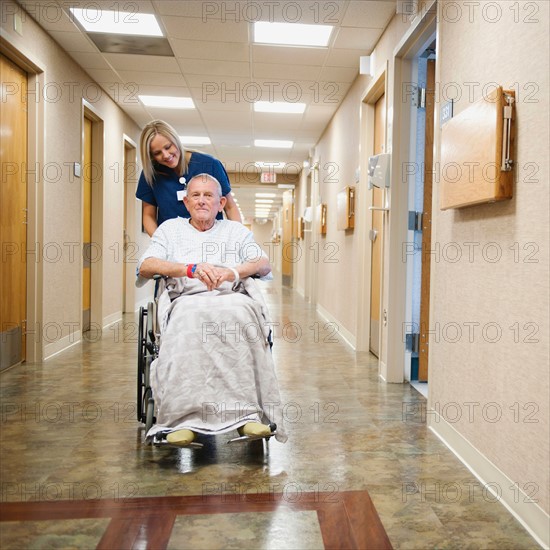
x,y
13,213
426,226
377,233
289,251
87,171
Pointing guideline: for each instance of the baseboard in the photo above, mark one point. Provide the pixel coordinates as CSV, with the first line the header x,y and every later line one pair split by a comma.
x,y
301,292
343,332
62,344
529,514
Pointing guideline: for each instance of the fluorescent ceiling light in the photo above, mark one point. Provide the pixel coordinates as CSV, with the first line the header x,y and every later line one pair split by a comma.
x,y
291,34
266,195
117,22
281,143
279,107
195,140
167,102
264,201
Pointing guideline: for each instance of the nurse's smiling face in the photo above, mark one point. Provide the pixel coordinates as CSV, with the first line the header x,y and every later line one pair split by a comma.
x,y
164,152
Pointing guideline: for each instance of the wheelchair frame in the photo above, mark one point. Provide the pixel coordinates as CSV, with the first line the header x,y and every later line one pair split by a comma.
x,y
148,350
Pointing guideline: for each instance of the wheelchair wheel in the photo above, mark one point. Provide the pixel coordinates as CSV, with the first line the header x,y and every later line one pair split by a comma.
x,y
146,354
142,352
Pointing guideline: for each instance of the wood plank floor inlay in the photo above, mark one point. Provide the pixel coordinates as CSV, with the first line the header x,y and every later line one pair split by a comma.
x,y
347,519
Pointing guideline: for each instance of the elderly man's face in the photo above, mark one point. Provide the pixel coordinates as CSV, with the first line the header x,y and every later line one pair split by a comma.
x,y
203,200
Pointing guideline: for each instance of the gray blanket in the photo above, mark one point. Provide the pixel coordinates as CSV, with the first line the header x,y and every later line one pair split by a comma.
x,y
215,370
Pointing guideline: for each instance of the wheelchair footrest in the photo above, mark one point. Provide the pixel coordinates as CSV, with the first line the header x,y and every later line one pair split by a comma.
x,y
159,440
243,438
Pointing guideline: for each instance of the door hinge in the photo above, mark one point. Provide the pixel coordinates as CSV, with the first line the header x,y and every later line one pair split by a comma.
x,y
418,97
415,221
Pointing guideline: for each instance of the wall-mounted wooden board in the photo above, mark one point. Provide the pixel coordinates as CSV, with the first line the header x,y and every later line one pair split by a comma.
x,y
345,208
472,145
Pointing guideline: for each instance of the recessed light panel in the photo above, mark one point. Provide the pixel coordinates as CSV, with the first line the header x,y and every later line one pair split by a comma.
x,y
278,143
279,107
291,34
95,19
167,102
195,140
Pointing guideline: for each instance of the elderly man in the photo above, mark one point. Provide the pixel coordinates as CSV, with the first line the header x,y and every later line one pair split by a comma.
x,y
214,372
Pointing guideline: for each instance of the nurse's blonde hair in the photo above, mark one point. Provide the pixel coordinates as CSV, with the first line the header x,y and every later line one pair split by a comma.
x,y
154,128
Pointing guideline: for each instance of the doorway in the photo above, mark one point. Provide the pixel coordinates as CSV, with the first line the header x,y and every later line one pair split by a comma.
x,y
13,213
87,226
129,244
377,232
286,239
420,220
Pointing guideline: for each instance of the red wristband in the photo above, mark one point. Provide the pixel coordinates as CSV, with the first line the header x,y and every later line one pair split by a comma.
x,y
191,269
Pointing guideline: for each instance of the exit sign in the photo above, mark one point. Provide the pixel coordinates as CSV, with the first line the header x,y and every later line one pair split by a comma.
x,y
268,177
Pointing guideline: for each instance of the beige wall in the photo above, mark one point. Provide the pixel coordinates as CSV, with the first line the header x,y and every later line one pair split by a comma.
x,y
505,376
338,151
67,85
513,291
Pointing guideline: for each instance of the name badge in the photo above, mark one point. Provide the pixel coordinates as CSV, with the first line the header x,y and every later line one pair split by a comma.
x,y
181,194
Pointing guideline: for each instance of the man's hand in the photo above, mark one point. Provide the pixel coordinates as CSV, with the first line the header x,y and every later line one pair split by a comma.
x,y
213,276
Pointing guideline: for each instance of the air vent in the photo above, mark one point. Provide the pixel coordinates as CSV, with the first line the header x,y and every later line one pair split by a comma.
x,y
134,45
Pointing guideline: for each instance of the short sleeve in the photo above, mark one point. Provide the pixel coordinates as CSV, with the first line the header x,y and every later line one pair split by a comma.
x,y
250,250
158,248
144,191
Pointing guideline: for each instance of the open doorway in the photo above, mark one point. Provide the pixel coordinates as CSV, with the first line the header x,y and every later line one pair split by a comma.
x,y
418,246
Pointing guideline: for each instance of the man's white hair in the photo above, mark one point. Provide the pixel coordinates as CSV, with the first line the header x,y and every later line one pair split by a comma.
x,y
204,177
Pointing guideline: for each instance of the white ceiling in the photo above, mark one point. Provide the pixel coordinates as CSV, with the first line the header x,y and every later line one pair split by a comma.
x,y
216,63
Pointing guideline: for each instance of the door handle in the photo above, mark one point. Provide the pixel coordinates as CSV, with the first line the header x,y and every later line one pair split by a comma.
x,y
373,233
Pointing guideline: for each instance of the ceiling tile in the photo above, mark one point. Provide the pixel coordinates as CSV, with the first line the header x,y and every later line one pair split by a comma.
x,y
205,104
175,91
356,38
288,55
90,60
187,121
372,14
188,8
203,49
104,75
195,29
277,71
211,67
152,78
339,74
344,57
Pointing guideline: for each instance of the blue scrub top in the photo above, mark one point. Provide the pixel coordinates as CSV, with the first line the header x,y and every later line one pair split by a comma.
x,y
163,194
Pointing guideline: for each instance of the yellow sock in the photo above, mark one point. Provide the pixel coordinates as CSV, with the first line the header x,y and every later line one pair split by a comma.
x,y
180,437
255,429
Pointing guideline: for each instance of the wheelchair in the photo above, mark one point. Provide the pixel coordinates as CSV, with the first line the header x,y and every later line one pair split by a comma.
x,y
148,351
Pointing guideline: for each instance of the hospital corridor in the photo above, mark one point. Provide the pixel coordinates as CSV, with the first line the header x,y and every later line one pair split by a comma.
x,y
274,275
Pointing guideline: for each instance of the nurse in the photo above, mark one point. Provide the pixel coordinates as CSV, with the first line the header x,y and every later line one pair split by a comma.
x,y
167,168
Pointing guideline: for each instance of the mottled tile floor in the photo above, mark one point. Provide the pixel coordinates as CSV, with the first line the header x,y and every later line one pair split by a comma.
x,y
69,431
